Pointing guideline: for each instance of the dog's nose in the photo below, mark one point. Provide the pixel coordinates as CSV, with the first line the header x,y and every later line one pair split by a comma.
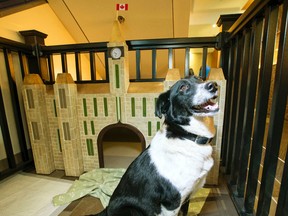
x,y
211,87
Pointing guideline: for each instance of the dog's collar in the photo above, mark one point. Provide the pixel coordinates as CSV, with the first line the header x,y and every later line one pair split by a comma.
x,y
197,139
174,130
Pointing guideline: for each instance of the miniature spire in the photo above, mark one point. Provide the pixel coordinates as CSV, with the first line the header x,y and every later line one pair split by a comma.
x,y
116,35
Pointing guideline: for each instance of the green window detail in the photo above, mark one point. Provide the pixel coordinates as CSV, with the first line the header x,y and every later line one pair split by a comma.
x,y
117,76
55,109
144,107
30,99
59,140
95,107
105,107
90,148
133,107
117,111
66,131
62,98
118,108
149,128
35,130
158,125
84,106
92,128
85,128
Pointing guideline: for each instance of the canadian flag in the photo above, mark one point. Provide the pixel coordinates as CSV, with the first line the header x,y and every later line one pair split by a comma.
x,y
121,6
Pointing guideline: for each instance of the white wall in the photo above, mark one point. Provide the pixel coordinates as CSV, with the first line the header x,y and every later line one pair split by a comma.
x,y
8,106
40,18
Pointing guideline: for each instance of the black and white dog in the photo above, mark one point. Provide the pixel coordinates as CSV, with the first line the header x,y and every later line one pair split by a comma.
x,y
176,163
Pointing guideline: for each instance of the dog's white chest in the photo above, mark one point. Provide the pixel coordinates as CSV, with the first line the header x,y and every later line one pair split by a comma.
x,y
184,163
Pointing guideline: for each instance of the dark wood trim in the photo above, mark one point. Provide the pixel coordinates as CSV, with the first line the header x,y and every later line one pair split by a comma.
x,y
15,46
249,106
4,167
239,109
92,65
138,64
51,69
195,42
233,108
135,45
282,204
33,37
6,134
241,100
187,62
257,8
64,63
227,20
21,56
16,108
276,119
204,63
154,63
78,66
228,99
22,166
72,48
107,78
265,72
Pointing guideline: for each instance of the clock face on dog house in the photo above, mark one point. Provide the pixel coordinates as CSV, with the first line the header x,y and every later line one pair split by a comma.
x,y
116,52
118,69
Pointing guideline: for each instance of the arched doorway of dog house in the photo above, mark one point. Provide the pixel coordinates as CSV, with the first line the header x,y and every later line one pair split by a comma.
x,y
119,144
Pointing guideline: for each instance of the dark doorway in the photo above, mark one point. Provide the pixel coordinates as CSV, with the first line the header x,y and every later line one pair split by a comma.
x,y
119,144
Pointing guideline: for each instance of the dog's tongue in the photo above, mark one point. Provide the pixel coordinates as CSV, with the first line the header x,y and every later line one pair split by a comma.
x,y
210,105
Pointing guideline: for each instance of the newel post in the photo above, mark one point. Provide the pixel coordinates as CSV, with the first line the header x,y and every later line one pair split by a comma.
x,y
225,22
36,61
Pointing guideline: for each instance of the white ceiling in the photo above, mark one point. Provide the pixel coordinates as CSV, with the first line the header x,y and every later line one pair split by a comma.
x,y
91,20
205,13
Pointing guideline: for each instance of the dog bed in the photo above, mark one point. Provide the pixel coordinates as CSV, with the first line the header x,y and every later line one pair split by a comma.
x,y
98,183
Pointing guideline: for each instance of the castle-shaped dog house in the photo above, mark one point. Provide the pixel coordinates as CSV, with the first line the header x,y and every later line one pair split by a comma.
x,y
65,120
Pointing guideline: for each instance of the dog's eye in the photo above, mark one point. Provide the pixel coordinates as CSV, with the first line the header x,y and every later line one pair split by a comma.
x,y
184,87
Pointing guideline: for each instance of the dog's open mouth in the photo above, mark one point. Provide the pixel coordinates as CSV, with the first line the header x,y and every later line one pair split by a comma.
x,y
209,106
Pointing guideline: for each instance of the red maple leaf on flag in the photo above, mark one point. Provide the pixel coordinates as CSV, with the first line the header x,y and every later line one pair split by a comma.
x,y
121,6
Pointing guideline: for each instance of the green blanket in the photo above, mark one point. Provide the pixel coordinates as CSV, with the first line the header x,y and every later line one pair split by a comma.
x,y
99,183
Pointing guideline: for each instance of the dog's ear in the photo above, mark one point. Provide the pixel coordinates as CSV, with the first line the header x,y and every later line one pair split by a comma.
x,y
162,104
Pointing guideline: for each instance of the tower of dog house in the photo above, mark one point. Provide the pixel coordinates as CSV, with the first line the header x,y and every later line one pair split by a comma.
x,y
65,92
34,96
64,126
118,62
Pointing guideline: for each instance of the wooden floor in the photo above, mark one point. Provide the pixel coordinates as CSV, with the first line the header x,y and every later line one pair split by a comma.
x,y
218,203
